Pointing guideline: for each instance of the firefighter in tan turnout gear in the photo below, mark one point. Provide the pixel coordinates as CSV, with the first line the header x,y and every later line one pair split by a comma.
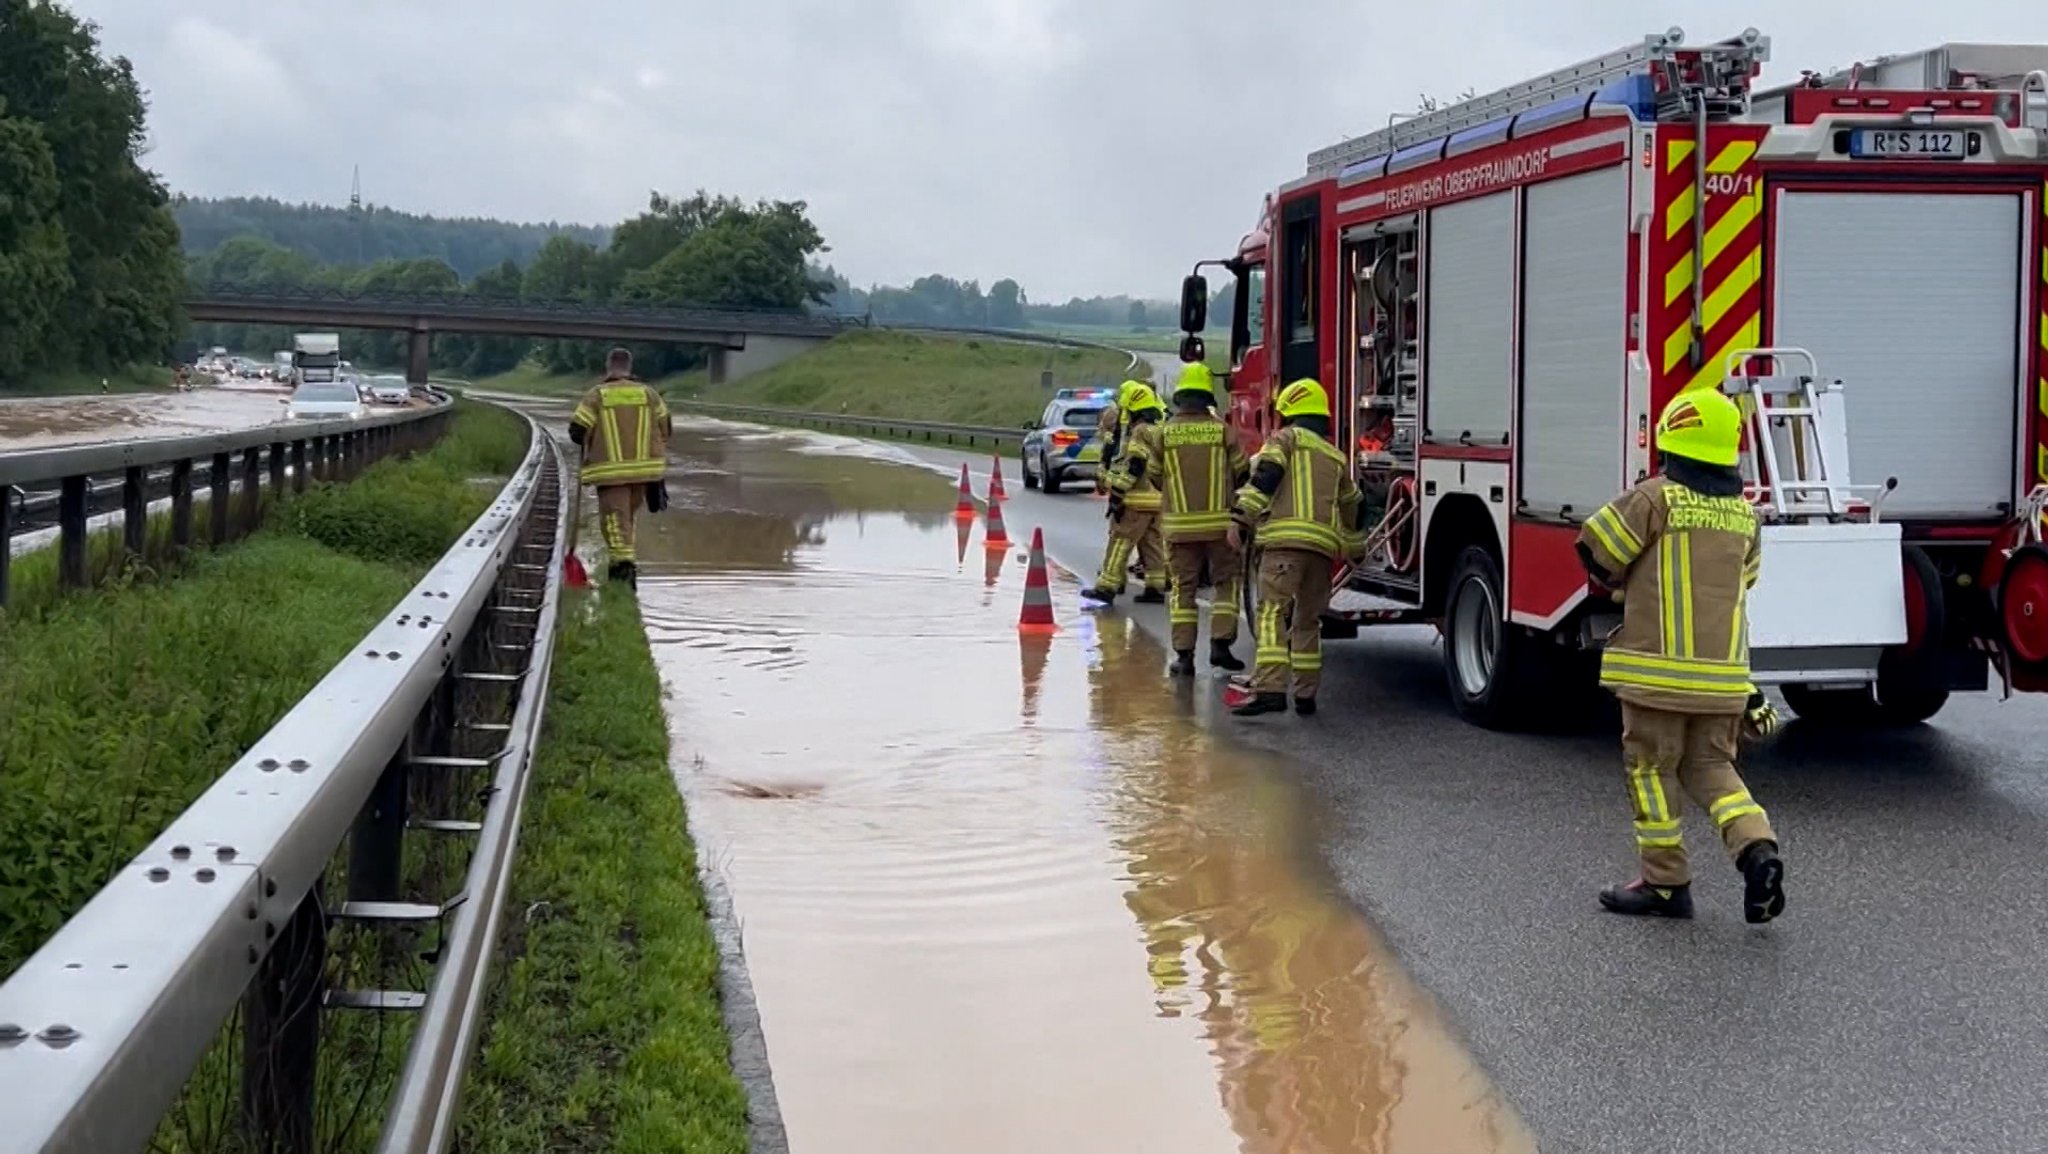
x,y
1193,460
1682,550
1304,505
1133,516
623,427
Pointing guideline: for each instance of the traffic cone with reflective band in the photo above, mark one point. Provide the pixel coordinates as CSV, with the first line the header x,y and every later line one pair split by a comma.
x,y
996,538
1037,615
964,507
995,481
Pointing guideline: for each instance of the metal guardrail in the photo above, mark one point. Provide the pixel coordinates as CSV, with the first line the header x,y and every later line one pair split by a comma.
x,y
929,432
101,1029
35,482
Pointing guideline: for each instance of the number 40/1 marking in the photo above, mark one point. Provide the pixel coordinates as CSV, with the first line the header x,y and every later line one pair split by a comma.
x,y
1731,183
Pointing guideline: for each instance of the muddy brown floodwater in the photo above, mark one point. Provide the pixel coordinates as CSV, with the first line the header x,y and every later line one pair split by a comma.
x,y
999,893
41,423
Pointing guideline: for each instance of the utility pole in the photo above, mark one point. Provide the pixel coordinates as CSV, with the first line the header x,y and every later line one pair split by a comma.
x,y
355,212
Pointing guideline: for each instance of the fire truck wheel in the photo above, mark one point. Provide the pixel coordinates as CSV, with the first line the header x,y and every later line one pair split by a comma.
x,y
1488,662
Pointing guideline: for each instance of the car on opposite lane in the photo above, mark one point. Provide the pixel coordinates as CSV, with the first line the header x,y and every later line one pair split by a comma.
x,y
1062,445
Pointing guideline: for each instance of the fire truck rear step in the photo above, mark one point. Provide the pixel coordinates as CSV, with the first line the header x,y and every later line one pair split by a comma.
x,y
1366,607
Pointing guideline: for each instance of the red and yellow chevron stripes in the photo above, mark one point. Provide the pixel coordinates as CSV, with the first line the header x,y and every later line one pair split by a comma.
x,y
1733,307
2041,353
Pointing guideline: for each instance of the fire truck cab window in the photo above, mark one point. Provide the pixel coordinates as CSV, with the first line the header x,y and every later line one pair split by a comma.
x,y
1255,305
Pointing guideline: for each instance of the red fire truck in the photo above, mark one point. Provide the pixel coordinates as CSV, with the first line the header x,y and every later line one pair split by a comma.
x,y
1503,293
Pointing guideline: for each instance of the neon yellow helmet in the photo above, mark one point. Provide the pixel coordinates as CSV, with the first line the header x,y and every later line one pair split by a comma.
x,y
1702,425
1304,398
1140,397
1196,378
1126,391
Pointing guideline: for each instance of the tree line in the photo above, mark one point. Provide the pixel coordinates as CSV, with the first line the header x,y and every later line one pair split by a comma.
x,y
90,272
370,233
701,250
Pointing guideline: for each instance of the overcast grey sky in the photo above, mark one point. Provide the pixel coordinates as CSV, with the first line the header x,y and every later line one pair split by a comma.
x,y
1081,146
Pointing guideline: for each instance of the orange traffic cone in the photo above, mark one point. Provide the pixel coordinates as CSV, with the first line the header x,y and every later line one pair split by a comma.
x,y
964,507
1037,615
995,538
995,480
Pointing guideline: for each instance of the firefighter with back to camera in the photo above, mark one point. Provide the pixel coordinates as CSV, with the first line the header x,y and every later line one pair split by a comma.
x,y
1134,501
623,427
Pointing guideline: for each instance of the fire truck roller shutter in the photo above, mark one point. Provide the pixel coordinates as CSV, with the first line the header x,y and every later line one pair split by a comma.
x,y
1469,319
1574,340
1912,301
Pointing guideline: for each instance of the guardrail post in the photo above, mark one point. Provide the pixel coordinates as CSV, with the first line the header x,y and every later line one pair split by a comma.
x,y
298,466
252,489
281,1035
181,504
376,845
7,499
277,470
71,517
134,513
217,479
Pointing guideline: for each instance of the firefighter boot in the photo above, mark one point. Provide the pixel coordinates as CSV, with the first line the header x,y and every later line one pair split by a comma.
x,y
1262,703
1763,882
1641,899
1221,657
1102,597
1183,663
1150,596
1306,706
626,572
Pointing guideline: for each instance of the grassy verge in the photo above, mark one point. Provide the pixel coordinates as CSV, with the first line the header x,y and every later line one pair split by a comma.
x,y
534,381
604,1028
119,706
134,379
976,381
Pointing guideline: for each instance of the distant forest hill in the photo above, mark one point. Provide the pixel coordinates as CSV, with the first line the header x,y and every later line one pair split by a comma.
x,y
328,235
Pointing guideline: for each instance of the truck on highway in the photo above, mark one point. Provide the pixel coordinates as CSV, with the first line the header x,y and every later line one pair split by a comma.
x,y
1503,293
316,358
281,366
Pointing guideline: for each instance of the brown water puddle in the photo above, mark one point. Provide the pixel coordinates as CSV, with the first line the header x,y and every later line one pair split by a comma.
x,y
1003,894
42,424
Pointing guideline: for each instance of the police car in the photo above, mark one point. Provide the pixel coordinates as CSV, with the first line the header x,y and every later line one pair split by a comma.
x,y
1062,444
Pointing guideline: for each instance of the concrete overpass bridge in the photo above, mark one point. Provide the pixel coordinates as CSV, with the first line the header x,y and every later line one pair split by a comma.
x,y
741,341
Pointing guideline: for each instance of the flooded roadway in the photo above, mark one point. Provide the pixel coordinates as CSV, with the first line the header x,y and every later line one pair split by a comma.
x,y
1003,893
47,422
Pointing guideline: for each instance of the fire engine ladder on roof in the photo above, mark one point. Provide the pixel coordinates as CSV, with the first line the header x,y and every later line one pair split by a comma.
x,y
1798,458
1717,63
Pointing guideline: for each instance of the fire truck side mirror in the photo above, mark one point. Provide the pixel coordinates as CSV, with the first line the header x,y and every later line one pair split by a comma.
x,y
1194,304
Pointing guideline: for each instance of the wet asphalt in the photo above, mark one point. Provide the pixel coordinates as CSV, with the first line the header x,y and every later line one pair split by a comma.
x,y
1900,1005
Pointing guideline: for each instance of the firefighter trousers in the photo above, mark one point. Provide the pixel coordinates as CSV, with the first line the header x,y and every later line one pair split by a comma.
x,y
1294,589
1186,560
1137,529
1667,752
617,505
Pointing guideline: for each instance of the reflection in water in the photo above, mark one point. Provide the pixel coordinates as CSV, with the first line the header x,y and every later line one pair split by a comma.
x,y
1323,1043
936,882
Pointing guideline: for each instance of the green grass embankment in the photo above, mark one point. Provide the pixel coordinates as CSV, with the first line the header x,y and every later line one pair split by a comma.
x,y
134,379
531,380
604,1031
119,706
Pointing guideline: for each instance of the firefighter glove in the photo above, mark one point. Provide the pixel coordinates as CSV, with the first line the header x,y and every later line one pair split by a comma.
x,y
1116,506
1761,719
657,496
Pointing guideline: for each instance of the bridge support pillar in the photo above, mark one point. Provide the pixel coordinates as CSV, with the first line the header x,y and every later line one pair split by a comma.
x,y
417,364
718,366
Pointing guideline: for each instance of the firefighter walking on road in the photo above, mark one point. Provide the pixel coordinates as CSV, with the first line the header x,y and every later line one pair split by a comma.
x,y
1682,550
1304,505
1134,501
1197,465
623,427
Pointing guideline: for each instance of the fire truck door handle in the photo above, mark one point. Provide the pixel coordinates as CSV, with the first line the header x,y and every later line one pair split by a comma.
x,y
1498,494
1429,488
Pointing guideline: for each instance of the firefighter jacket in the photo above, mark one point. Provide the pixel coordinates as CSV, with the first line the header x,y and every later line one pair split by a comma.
x,y
626,428
1133,481
1302,487
1684,563
1196,464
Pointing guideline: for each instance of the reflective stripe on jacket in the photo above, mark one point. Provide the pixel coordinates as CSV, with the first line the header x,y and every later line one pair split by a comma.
x,y
1141,443
1315,506
1685,563
628,429
1199,466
